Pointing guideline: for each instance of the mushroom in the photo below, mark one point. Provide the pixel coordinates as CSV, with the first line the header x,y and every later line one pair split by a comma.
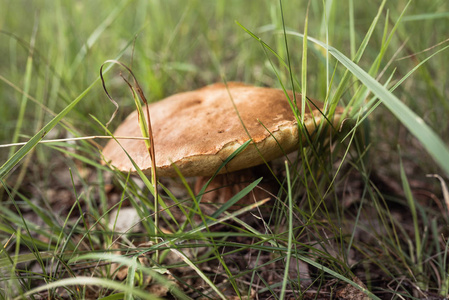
x,y
198,130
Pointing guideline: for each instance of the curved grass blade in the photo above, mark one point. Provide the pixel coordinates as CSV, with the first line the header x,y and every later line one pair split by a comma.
x,y
145,128
84,280
155,272
415,124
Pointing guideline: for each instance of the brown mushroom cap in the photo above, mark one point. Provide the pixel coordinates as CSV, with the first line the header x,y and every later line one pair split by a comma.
x,y
198,130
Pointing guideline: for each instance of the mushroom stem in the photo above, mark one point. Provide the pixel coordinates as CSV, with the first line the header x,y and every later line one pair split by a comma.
x,y
224,186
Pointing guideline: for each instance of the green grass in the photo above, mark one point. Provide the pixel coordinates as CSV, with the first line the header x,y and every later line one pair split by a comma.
x,y
352,212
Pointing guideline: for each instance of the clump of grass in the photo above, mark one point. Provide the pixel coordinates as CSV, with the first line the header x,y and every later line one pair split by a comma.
x,y
353,213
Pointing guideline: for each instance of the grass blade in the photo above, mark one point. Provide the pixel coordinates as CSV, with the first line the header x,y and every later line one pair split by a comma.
x,y
415,124
236,198
26,88
83,280
290,232
24,150
14,160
